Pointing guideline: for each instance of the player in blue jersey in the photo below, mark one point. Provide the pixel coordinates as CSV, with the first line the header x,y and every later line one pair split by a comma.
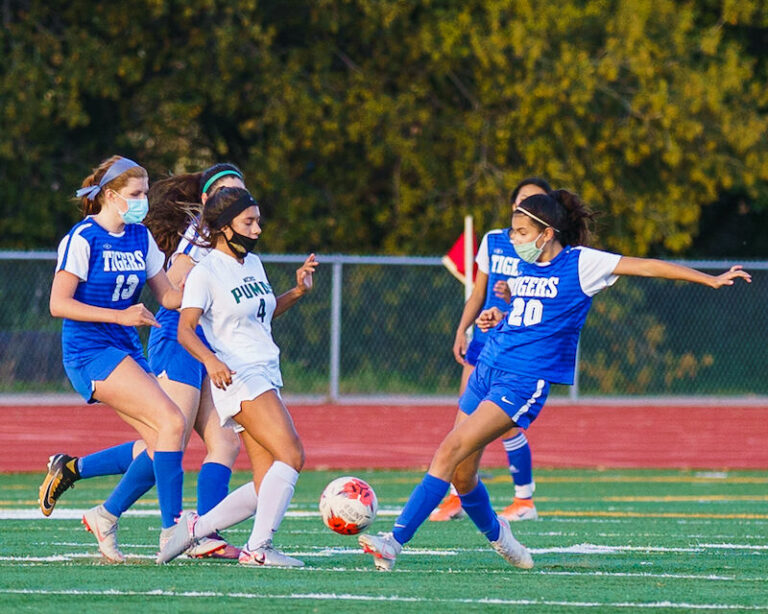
x,y
172,202
496,262
533,346
103,264
228,293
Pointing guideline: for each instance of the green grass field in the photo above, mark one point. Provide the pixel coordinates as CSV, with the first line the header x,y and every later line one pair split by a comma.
x,y
620,540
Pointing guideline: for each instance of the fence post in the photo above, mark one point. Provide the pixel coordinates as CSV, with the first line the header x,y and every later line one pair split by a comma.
x,y
573,393
335,356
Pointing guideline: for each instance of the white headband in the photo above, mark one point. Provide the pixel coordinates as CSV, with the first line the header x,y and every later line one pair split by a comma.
x,y
538,219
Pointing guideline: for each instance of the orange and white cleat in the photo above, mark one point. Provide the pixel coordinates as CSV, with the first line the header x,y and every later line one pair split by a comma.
x,y
449,509
521,509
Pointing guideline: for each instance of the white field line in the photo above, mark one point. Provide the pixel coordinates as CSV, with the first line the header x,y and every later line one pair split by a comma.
x,y
34,513
388,599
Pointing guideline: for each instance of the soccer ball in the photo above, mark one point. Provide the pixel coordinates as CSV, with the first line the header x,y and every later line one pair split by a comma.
x,y
348,505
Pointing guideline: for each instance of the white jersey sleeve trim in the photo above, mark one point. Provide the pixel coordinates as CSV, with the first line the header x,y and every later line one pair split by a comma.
x,y
596,270
482,259
77,251
197,294
155,258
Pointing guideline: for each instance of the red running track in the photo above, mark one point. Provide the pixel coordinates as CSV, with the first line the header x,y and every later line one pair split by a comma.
x,y
385,436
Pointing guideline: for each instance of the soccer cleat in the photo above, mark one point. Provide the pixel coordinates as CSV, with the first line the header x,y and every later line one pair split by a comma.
x,y
512,550
103,525
384,548
521,509
179,539
449,509
62,475
267,556
213,547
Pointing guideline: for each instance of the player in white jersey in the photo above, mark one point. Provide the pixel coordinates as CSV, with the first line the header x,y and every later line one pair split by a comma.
x,y
496,262
172,203
229,294
533,345
104,262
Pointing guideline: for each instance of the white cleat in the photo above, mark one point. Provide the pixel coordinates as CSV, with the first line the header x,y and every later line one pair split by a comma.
x,y
176,540
267,556
512,550
205,547
384,548
103,525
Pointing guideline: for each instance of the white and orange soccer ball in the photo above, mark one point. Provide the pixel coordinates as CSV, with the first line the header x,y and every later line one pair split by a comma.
x,y
348,505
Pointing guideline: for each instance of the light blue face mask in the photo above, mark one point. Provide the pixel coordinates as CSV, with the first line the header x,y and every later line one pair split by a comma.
x,y
528,251
137,209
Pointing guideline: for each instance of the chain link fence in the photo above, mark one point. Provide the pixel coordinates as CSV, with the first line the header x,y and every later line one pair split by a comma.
x,y
385,326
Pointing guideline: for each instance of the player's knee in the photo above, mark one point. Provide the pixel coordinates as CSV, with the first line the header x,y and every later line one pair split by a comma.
x,y
464,481
294,456
224,444
172,421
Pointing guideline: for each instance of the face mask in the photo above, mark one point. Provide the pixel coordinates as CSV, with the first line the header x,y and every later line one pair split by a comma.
x,y
137,209
240,244
528,251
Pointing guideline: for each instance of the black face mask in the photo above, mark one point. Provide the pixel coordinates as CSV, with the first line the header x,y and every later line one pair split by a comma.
x,y
240,244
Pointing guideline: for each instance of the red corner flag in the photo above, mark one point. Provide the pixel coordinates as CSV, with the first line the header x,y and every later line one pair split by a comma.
x,y
454,259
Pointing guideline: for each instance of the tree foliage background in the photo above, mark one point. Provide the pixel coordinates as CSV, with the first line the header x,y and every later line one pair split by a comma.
x,y
375,125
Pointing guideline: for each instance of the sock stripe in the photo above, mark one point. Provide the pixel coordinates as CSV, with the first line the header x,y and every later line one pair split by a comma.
x,y
515,443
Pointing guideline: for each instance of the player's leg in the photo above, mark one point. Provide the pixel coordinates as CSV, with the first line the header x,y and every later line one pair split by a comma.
x,y
222,446
521,468
450,507
269,427
141,402
64,470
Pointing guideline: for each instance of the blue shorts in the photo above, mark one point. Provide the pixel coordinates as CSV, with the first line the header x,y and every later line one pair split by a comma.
x,y
473,351
519,396
97,367
168,358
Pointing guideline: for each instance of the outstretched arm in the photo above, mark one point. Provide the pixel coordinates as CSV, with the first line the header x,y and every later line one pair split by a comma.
x,y
649,267
220,373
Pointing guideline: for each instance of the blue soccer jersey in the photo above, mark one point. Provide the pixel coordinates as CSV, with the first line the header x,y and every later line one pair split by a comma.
x,y
550,301
112,269
498,259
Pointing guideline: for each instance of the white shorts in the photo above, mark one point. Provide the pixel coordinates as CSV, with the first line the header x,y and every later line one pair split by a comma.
x,y
246,385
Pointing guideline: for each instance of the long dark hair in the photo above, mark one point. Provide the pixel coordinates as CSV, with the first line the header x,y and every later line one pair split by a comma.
x,y
564,212
175,201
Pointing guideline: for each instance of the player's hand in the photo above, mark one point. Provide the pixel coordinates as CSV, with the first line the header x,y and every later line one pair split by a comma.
x,y
727,278
501,290
489,318
219,373
460,348
137,315
304,274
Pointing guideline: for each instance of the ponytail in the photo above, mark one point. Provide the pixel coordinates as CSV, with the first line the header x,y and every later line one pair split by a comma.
x,y
576,228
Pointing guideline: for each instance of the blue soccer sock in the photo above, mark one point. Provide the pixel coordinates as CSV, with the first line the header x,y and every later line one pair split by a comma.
x,y
212,486
112,461
424,498
138,479
478,506
170,479
520,465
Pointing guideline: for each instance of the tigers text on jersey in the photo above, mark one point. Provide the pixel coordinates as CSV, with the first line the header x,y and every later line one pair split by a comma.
x,y
498,259
237,303
191,244
112,269
550,301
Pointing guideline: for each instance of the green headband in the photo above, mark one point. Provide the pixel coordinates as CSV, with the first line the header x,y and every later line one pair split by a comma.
x,y
218,176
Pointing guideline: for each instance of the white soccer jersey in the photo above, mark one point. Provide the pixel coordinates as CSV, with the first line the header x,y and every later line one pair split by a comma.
x,y
237,303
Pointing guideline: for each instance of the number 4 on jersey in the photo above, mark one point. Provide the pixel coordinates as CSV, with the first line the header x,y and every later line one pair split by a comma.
x,y
262,312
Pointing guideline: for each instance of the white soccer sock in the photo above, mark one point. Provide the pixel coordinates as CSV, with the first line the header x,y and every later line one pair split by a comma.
x,y
274,495
525,491
454,491
237,506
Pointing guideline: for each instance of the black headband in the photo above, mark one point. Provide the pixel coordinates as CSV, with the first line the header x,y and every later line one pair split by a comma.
x,y
233,210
